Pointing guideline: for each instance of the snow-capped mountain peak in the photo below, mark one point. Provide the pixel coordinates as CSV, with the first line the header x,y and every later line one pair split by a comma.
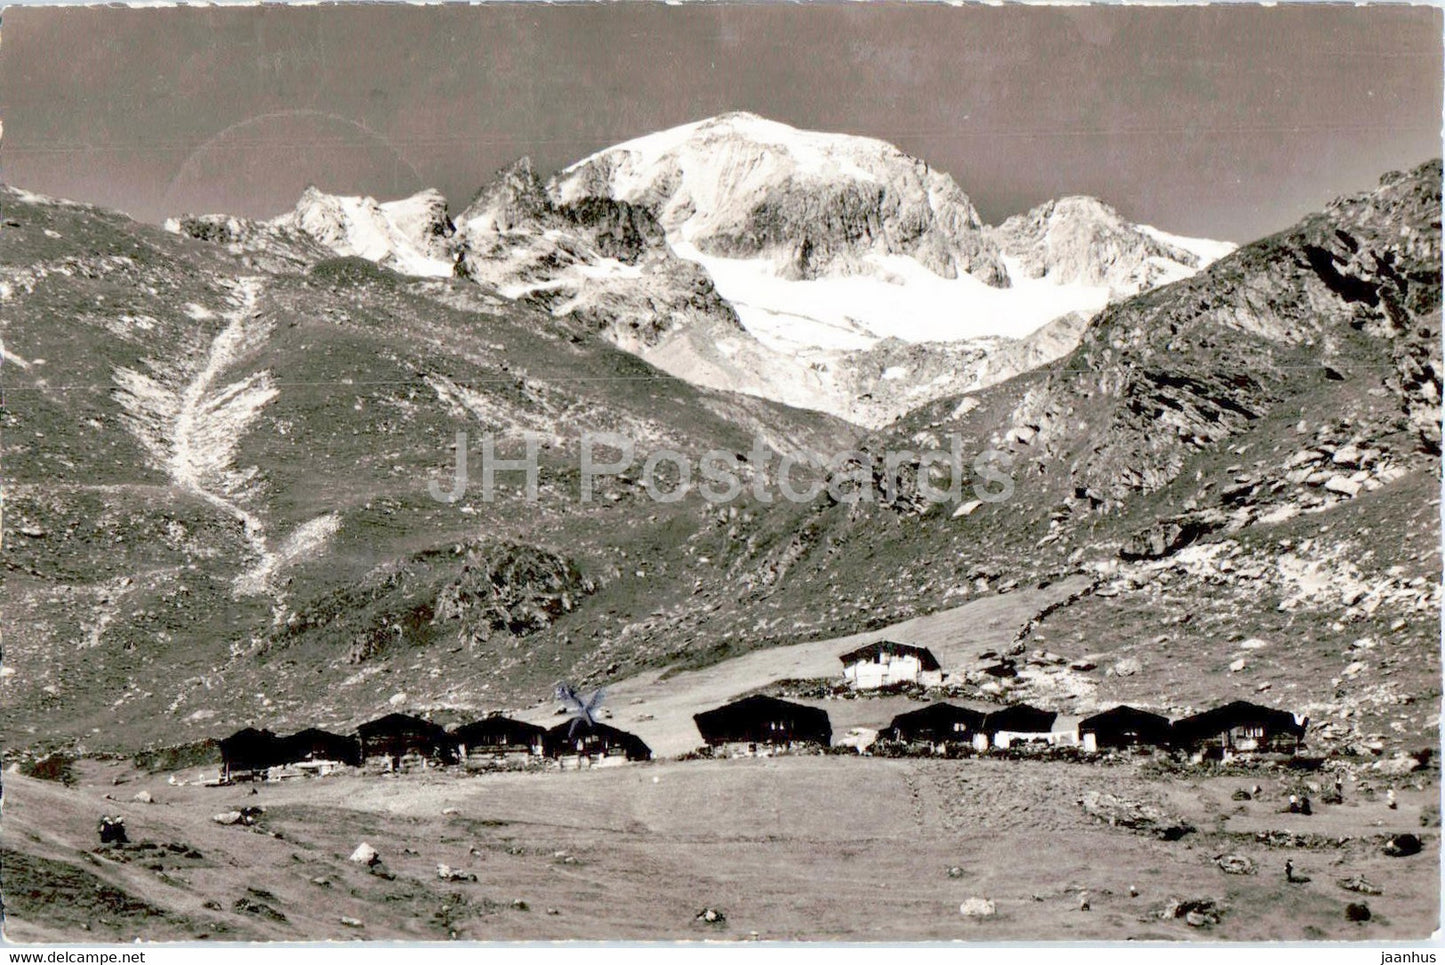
x,y
411,235
814,205
514,198
1081,240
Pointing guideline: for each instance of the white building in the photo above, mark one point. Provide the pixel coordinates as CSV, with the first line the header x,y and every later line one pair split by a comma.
x,y
884,662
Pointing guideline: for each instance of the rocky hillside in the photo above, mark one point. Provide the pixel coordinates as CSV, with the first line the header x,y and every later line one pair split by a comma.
x,y
217,482
217,508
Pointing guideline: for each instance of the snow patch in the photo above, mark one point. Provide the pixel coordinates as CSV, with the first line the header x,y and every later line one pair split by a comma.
x,y
1206,250
190,425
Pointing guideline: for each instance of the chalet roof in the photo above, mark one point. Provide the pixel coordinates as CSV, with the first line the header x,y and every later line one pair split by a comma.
x,y
1125,716
870,651
498,725
938,714
251,748
1020,718
560,736
399,724
742,719
1237,713
339,746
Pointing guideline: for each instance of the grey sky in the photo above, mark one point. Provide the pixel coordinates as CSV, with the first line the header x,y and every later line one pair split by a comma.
x,y
1224,121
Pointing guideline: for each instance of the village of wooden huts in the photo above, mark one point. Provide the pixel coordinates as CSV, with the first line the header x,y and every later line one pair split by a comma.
x,y
401,742
762,725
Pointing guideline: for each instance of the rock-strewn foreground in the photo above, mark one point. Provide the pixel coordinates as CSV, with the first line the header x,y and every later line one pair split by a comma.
x,y
784,849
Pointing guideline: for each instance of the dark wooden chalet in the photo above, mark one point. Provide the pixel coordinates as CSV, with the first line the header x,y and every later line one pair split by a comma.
x,y
595,741
315,745
248,753
1019,722
760,720
1240,727
391,738
499,736
937,724
1125,726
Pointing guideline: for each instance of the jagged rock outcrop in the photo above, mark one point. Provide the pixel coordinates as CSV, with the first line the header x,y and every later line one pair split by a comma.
x,y
264,245
411,235
513,199
603,262
1180,369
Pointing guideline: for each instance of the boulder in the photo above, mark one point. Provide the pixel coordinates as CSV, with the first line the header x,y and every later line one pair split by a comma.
x,y
246,815
977,908
251,906
1402,846
1197,912
144,797
1235,864
1127,667
1400,764
1357,911
448,873
1347,456
1360,885
365,854
1343,485
966,509
1121,812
